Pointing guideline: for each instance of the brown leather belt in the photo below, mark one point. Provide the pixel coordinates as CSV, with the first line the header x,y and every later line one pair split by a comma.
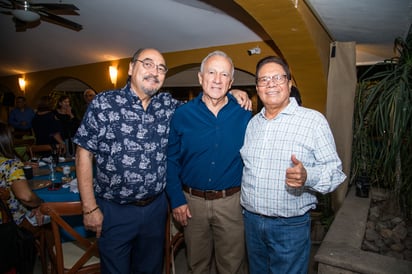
x,y
211,194
144,202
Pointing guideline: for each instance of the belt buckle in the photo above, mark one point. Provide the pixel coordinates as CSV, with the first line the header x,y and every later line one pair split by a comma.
x,y
144,202
210,194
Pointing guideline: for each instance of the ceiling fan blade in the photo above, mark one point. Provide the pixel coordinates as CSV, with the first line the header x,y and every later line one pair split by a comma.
x,y
60,9
55,6
6,5
6,12
58,20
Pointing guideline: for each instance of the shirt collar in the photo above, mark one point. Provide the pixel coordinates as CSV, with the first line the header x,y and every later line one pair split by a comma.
x,y
131,95
291,108
231,98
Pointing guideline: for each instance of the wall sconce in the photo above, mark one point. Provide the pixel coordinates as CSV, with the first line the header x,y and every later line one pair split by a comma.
x,y
113,74
22,84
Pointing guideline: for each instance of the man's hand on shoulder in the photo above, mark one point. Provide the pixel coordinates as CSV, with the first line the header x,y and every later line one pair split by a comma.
x,y
242,98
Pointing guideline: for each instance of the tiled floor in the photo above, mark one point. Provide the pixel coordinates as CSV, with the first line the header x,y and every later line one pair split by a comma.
x,y
317,234
181,268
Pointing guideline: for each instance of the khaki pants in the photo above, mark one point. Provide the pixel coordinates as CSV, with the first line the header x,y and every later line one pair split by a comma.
x,y
215,232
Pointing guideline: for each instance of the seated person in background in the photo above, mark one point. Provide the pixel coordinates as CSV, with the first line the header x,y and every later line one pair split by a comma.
x,y
23,202
68,121
16,194
20,118
46,127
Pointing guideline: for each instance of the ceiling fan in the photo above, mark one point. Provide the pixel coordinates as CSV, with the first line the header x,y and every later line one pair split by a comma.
x,y
27,14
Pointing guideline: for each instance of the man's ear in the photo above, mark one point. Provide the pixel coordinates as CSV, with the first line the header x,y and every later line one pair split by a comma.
x,y
131,64
230,85
200,77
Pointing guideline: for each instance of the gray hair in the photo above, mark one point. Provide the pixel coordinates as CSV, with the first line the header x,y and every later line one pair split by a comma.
x,y
219,53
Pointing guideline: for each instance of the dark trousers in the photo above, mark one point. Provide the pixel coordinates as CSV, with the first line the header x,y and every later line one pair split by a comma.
x,y
132,239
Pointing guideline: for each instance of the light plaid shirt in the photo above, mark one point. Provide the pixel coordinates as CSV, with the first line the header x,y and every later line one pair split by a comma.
x,y
267,151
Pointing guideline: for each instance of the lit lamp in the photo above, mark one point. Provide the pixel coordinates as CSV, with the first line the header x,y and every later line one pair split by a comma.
x,y
113,74
22,84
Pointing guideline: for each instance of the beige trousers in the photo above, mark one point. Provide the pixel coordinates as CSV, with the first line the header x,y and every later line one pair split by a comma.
x,y
214,235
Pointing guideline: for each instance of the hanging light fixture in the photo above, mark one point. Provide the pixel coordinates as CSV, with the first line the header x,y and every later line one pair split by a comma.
x,y
24,14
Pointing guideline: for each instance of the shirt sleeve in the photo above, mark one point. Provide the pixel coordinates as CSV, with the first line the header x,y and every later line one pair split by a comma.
x,y
174,186
15,168
326,174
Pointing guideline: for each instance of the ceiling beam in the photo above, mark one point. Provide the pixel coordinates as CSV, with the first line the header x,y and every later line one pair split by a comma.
x,y
301,39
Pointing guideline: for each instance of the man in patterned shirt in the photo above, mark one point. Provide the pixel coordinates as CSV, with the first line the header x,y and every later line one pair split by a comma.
x,y
127,131
289,154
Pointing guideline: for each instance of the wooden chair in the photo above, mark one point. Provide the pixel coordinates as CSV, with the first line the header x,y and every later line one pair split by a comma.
x,y
39,236
173,242
4,196
26,141
21,146
38,150
78,256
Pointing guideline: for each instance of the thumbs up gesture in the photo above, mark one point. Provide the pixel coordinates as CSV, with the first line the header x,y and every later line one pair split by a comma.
x,y
296,175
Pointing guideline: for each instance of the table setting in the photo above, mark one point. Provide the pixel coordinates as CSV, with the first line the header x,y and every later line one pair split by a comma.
x,y
57,182
54,182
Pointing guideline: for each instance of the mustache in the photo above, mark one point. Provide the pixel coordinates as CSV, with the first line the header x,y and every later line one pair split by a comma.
x,y
155,78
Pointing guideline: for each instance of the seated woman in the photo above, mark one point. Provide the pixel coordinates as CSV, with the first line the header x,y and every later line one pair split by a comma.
x,y
23,202
46,126
16,195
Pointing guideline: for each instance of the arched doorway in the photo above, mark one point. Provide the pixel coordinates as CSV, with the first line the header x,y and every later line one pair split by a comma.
x,y
71,87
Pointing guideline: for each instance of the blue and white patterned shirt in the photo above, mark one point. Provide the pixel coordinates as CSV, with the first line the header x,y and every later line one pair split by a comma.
x,y
128,142
267,151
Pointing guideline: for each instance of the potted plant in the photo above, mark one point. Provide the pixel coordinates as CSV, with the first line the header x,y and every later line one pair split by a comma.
x,y
382,146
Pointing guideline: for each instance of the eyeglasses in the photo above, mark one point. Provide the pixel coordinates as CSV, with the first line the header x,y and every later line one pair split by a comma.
x,y
277,78
148,64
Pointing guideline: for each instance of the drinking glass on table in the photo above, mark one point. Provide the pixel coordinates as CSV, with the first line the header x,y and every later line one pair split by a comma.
x,y
34,163
28,172
53,178
67,178
55,155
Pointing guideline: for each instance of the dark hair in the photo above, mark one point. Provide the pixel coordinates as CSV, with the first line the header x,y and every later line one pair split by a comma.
x,y
294,92
273,59
6,142
44,103
61,99
137,54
